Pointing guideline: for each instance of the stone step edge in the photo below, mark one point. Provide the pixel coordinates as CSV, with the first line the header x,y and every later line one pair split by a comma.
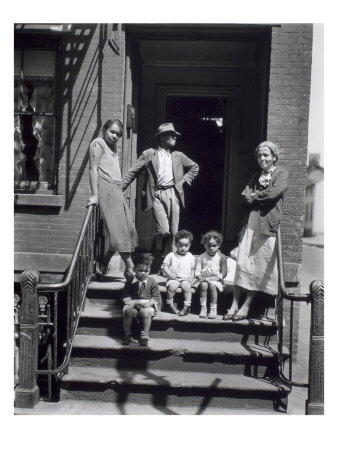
x,y
95,407
178,347
162,316
172,379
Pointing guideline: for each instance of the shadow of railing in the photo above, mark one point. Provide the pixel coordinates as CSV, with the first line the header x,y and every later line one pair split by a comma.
x,y
80,104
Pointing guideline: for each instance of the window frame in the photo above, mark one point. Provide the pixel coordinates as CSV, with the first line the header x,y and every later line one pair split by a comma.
x,y
45,41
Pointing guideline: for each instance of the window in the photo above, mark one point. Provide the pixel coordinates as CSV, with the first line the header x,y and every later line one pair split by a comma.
x,y
34,115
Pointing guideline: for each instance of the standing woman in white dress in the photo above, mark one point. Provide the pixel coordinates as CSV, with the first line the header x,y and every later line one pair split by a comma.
x,y
256,268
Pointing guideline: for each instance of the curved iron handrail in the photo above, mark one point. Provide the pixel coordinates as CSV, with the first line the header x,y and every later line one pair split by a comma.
x,y
65,285
292,297
286,294
48,287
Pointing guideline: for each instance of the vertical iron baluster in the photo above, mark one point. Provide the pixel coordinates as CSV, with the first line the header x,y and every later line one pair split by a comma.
x,y
49,353
315,401
280,324
55,337
77,290
73,299
291,341
68,319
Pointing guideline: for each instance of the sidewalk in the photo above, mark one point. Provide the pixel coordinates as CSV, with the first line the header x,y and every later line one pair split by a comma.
x,y
317,240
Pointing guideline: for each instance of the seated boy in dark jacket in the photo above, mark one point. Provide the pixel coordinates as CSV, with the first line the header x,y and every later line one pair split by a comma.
x,y
141,298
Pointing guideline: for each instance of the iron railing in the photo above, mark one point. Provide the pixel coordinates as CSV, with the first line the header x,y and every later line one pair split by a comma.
x,y
60,306
315,298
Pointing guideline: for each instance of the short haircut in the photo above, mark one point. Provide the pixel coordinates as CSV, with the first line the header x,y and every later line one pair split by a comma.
x,y
183,234
212,234
143,259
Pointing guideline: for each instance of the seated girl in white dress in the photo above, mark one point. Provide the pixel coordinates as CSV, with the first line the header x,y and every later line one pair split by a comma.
x,y
211,269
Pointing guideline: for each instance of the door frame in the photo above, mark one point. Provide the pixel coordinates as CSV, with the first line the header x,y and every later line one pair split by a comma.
x,y
232,95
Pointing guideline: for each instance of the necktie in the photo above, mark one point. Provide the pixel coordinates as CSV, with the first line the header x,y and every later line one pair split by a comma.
x,y
141,289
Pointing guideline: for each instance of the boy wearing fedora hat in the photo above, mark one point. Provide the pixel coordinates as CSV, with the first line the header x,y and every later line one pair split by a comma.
x,y
166,173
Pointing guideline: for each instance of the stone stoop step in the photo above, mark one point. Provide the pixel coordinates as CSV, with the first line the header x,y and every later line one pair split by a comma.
x,y
87,407
176,354
176,346
170,388
106,319
114,311
189,362
171,378
110,290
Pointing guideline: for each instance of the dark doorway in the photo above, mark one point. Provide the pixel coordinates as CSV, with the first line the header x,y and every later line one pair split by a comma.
x,y
202,123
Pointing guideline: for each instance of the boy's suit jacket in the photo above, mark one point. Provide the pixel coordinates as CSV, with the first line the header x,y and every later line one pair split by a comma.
x,y
131,289
184,170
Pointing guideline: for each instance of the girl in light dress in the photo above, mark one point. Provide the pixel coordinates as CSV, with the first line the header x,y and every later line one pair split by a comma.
x,y
105,183
211,269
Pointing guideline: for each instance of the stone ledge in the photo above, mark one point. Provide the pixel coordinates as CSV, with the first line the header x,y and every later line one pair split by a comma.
x,y
51,266
292,272
38,199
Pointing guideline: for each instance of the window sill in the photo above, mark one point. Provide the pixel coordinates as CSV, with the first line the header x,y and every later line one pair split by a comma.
x,y
48,200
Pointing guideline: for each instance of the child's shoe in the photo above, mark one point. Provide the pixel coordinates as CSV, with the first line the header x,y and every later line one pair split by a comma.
x,y
203,313
126,339
185,311
213,312
143,341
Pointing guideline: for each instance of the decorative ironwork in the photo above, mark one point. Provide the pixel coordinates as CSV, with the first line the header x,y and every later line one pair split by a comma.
x,y
316,367
16,338
63,300
315,402
27,391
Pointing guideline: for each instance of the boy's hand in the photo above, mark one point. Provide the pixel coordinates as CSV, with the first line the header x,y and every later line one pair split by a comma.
x,y
129,301
201,279
171,275
149,304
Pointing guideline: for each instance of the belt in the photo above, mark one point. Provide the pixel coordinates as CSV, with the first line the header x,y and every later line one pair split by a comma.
x,y
164,188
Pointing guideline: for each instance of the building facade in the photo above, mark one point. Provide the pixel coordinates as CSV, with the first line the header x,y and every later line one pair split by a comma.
x,y
225,87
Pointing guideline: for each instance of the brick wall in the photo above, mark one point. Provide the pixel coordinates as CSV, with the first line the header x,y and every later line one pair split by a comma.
x,y
92,88
288,113
92,91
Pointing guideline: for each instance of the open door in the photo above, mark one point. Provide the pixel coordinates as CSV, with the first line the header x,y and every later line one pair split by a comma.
x,y
212,84
202,121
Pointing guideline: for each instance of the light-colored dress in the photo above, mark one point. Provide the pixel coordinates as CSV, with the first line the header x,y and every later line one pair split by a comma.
x,y
209,267
229,279
181,265
256,267
113,206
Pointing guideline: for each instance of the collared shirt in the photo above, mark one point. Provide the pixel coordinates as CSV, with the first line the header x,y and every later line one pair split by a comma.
x,y
165,171
265,178
140,283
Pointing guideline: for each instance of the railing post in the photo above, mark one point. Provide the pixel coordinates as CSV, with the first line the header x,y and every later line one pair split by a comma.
x,y
315,401
27,392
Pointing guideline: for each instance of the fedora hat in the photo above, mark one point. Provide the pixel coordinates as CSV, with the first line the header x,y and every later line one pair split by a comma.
x,y
166,128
